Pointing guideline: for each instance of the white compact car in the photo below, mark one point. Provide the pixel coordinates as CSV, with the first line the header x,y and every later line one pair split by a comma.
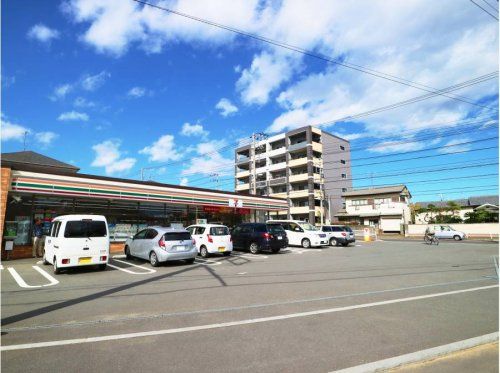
x,y
77,240
301,233
211,239
445,231
160,244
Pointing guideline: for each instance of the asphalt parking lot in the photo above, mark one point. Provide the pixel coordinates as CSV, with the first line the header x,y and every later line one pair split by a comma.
x,y
315,310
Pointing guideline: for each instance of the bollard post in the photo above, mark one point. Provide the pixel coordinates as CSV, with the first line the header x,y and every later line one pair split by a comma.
x,y
366,234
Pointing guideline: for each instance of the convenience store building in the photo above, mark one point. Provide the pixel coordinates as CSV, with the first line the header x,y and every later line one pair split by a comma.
x,y
35,186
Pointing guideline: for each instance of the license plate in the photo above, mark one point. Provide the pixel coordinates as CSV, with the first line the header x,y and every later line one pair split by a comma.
x,y
222,249
84,260
180,248
280,238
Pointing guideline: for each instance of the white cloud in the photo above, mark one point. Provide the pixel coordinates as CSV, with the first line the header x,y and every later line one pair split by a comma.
x,y
93,82
109,156
12,131
73,115
266,74
83,103
209,160
42,33
193,130
184,181
61,91
137,92
459,148
226,107
17,132
46,138
162,150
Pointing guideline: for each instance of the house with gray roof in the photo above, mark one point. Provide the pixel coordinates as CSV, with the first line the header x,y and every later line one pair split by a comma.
x,y
386,208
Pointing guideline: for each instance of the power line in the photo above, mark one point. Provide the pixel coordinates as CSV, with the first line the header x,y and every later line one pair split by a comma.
x,y
479,6
491,6
310,53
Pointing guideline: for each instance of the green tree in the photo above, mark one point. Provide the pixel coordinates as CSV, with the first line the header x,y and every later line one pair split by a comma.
x,y
481,216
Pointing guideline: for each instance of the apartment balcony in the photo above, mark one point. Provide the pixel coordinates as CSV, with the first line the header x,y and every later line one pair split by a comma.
x,y
299,193
317,178
278,195
261,170
277,166
242,159
275,152
277,181
242,187
299,177
299,210
297,146
297,162
317,147
261,184
241,174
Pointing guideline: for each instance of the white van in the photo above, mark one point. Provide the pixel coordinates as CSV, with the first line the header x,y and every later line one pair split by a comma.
x,y
77,240
302,233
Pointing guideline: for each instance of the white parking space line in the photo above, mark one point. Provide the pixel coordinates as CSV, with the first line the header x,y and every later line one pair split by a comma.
x,y
120,256
52,280
207,262
232,323
150,270
20,281
1,267
250,256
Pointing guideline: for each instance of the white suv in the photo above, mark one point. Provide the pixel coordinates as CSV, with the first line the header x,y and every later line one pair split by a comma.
x,y
211,239
301,233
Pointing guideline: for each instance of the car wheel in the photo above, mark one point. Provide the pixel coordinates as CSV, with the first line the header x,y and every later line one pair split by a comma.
x,y
306,243
457,238
254,248
127,252
333,241
153,259
190,261
227,253
345,244
57,270
45,262
204,252
102,267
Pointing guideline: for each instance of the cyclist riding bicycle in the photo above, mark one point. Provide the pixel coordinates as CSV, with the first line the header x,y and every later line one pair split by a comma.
x,y
429,232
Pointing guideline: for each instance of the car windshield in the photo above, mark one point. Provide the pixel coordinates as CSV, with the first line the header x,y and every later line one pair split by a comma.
x,y
347,229
177,236
275,229
85,228
219,231
308,227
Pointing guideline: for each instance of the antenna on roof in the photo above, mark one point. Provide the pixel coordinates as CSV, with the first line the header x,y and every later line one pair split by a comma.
x,y
24,140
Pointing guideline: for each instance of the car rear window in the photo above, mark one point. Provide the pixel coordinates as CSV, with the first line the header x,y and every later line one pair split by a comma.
x,y
177,236
260,228
275,229
219,231
347,229
85,228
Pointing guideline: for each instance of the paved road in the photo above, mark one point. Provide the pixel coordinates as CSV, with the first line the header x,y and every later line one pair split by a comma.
x,y
314,310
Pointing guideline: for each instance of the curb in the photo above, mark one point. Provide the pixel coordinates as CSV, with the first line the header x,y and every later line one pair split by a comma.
x,y
422,355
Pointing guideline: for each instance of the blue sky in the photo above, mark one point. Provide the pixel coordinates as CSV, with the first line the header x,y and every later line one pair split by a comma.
x,y
113,87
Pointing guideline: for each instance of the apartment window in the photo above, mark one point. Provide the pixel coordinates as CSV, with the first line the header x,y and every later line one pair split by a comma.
x,y
342,161
379,201
342,147
359,202
344,176
344,190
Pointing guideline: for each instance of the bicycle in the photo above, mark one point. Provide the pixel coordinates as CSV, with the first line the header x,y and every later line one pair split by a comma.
x,y
430,239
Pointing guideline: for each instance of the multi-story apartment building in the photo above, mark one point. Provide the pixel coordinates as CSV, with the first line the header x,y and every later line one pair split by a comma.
x,y
309,167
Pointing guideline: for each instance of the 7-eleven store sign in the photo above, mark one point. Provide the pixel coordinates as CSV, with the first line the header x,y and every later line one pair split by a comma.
x,y
235,203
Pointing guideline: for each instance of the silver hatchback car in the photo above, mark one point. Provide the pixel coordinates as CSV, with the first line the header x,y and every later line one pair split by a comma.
x,y
160,244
